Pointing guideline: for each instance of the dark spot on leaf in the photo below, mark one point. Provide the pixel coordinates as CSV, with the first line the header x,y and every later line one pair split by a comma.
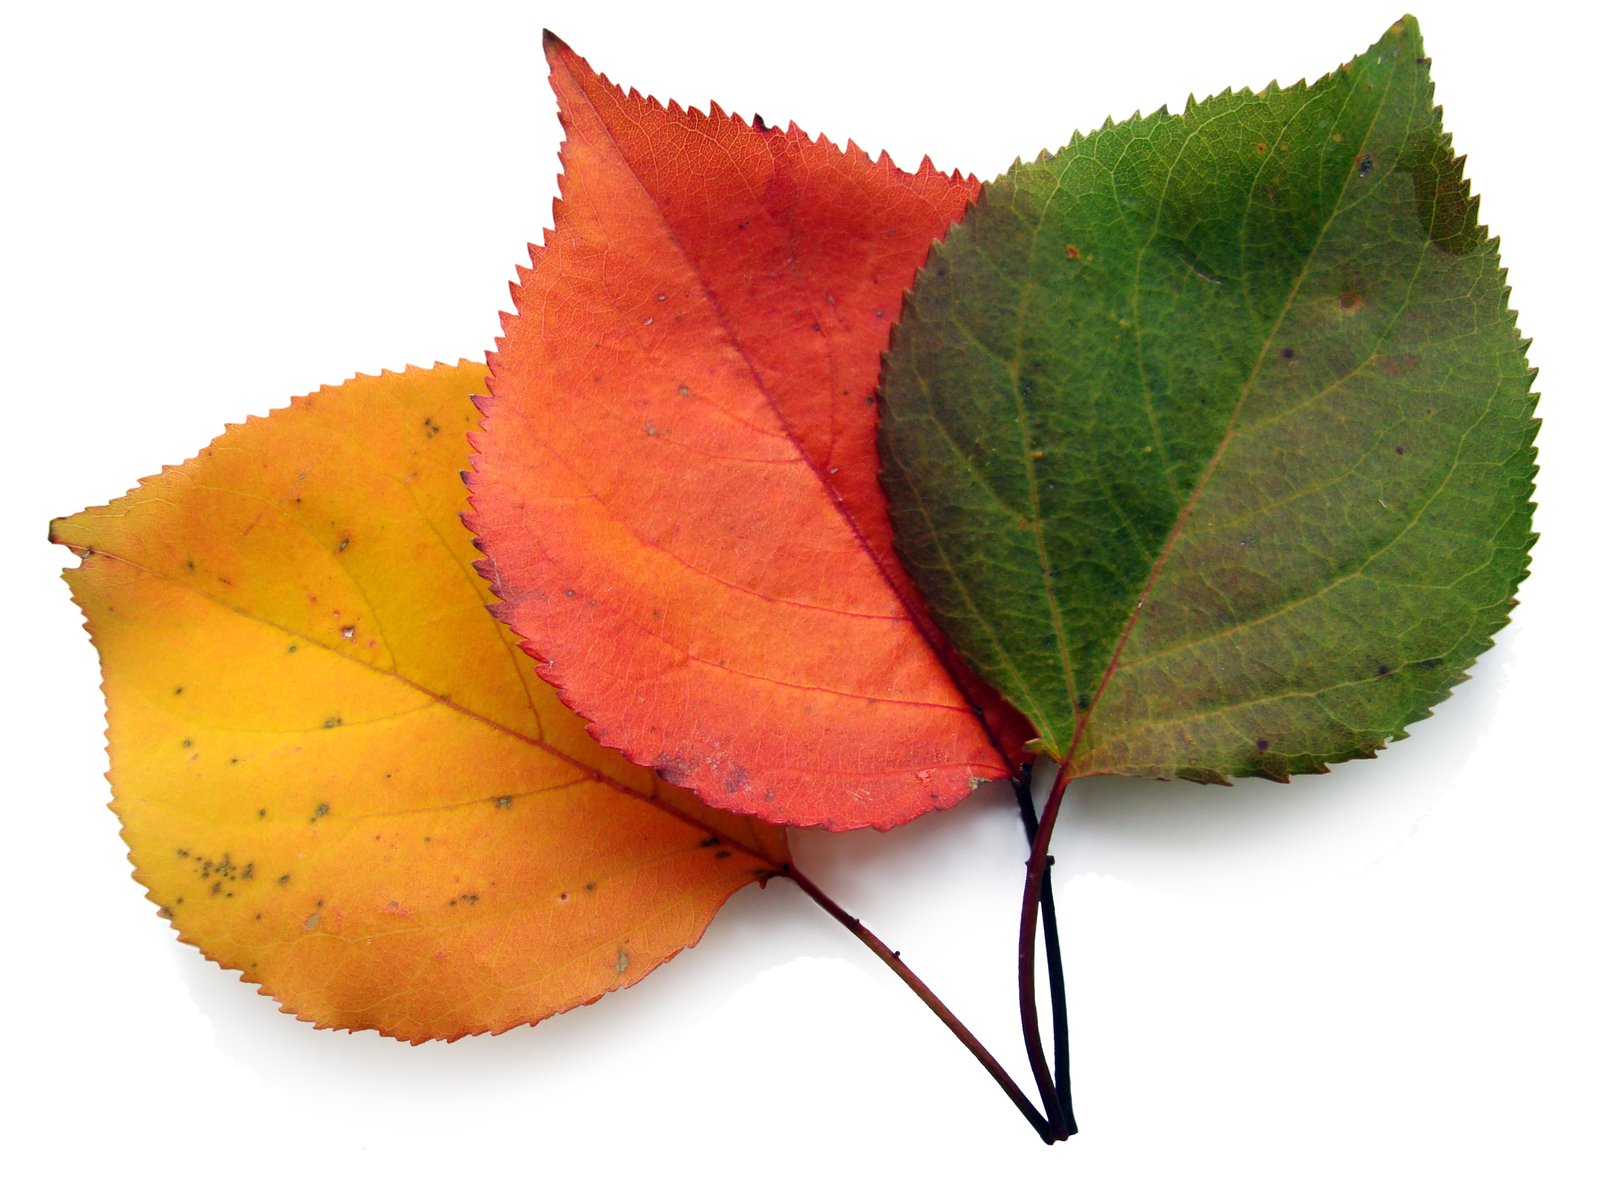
x,y
1365,165
261,814
1073,253
177,691
724,854
705,843
344,544
283,880
1262,744
1287,352
313,920
589,887
736,780
1399,449
674,770
320,812
502,801
1383,668
332,723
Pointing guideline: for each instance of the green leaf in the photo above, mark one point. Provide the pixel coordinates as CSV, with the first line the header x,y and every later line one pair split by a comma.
x,y
1209,437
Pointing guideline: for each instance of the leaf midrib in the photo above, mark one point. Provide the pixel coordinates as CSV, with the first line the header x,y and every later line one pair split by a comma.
x,y
451,704
920,619
1226,440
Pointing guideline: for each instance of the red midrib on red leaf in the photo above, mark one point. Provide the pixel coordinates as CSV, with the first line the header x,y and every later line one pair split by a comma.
x,y
595,406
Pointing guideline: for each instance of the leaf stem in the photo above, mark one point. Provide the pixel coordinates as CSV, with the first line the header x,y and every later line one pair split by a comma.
x,y
1023,785
1058,1105
964,1035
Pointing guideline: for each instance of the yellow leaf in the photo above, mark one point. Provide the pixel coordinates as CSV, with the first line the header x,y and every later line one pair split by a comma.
x,y
337,772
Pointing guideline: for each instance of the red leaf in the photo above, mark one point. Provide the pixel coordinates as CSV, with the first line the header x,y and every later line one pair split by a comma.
x,y
676,486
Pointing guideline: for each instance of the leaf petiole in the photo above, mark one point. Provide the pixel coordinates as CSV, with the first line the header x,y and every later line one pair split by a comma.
x,y
924,993
1067,1125
1058,1094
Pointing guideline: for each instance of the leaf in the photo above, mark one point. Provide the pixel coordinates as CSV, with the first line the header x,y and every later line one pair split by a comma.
x,y
336,772
1209,438
675,487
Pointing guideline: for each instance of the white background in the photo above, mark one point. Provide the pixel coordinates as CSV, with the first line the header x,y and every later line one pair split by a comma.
x,y
1380,982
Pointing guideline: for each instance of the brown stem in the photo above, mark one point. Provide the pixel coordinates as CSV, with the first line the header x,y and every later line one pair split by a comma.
x,y
964,1035
1057,1106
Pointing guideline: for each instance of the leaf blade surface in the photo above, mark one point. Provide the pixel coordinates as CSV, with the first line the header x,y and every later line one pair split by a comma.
x,y
335,771
689,378
1226,412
